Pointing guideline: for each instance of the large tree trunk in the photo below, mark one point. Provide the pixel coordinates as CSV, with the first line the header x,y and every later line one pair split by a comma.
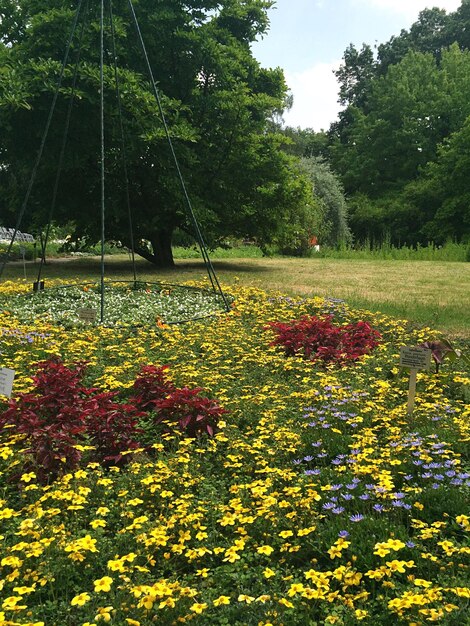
x,y
161,245
162,256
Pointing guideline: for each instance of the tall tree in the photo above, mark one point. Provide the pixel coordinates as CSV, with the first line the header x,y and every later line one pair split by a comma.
x,y
430,33
386,147
332,229
217,101
355,74
390,144
443,191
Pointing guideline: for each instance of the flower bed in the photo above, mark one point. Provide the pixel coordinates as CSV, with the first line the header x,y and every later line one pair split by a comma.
x,y
124,304
317,500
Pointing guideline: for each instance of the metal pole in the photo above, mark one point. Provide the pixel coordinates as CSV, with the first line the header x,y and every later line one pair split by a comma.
x,y
102,156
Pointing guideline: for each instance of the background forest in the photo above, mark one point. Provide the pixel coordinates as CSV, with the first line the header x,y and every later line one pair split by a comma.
x,y
393,168
402,144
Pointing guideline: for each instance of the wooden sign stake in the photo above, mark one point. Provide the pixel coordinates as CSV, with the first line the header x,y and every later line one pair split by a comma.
x,y
412,391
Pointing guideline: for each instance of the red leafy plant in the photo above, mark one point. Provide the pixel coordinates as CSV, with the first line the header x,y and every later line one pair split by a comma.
x,y
150,386
441,349
318,339
112,428
61,416
169,406
51,418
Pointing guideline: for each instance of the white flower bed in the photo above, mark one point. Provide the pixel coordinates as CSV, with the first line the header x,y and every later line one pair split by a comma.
x,y
147,304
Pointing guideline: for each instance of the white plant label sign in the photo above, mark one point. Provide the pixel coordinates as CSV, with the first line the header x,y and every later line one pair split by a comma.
x,y
87,314
414,359
6,381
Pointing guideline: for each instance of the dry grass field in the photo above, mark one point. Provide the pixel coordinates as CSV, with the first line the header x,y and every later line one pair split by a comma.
x,y
425,292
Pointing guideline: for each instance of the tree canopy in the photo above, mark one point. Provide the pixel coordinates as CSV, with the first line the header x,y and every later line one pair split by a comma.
x,y
395,144
218,103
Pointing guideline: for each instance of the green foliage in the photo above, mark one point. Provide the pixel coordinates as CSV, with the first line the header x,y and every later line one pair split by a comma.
x,y
383,249
355,74
327,190
305,142
445,185
217,100
401,143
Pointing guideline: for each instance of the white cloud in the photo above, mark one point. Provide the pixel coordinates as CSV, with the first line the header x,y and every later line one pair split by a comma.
x,y
315,96
411,8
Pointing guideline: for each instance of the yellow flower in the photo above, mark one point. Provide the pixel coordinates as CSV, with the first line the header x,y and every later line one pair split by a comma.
x,y
26,478
11,603
132,622
103,584
221,600
334,552
102,510
244,598
117,565
295,588
198,607
104,613
264,598
22,591
97,523
267,573
265,550
80,600
463,520
420,582
395,544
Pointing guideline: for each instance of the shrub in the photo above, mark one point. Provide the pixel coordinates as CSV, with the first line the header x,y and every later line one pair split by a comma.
x,y
150,386
112,428
317,338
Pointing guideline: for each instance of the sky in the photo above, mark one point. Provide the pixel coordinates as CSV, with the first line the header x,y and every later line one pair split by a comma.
x,y
307,38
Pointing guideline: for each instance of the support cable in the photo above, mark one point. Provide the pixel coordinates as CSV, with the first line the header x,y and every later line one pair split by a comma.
x,y
123,143
43,140
102,158
210,270
62,155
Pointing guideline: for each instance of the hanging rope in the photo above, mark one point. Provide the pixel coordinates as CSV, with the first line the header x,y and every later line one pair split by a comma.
x,y
210,270
62,154
123,143
203,248
43,141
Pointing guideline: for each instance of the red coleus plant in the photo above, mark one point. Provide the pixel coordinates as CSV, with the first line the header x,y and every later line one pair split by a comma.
x,y
61,415
193,413
112,427
51,417
317,338
150,386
